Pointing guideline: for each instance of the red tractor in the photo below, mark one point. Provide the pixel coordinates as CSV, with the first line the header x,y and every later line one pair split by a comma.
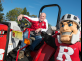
x,y
43,52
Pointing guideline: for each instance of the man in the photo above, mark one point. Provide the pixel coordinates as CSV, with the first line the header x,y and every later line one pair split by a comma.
x,y
38,25
67,45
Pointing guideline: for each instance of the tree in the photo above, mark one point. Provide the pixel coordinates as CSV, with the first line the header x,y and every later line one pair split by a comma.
x,y
4,18
13,14
25,12
1,14
34,16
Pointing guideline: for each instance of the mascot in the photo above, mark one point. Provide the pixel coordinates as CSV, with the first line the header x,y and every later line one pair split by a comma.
x,y
66,44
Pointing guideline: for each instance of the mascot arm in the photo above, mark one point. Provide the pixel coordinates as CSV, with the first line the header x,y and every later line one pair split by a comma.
x,y
49,39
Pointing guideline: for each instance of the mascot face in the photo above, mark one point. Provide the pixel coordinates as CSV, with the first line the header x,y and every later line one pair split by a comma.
x,y
67,29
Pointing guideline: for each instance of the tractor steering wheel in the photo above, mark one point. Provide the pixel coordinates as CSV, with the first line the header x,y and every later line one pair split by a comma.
x,y
22,25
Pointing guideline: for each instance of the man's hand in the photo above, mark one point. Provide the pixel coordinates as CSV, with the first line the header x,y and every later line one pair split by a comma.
x,y
20,17
38,30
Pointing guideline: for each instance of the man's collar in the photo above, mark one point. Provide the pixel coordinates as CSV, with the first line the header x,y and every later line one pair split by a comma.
x,y
40,21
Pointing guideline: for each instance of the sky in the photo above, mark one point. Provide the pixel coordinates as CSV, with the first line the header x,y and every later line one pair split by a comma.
x,y
33,6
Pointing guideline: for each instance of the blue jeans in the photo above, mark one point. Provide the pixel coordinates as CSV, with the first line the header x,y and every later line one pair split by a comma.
x,y
38,39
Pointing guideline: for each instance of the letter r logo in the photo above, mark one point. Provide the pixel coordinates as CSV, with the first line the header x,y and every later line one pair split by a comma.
x,y
64,53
